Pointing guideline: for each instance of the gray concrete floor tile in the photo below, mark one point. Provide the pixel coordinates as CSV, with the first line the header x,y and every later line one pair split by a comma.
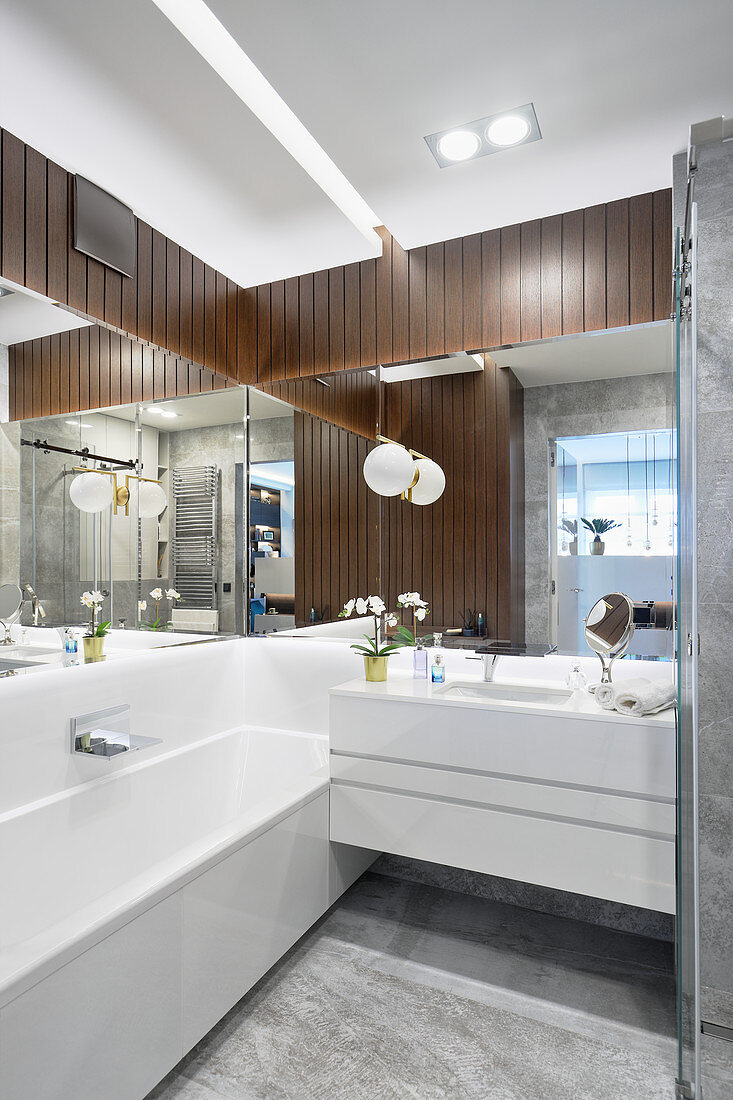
x,y
406,990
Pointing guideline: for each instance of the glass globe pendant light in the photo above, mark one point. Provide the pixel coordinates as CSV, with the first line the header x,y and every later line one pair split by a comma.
x,y
91,492
151,498
430,482
389,469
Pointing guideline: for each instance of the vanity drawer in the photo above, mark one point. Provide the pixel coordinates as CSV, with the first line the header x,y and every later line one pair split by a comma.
x,y
584,859
615,811
605,752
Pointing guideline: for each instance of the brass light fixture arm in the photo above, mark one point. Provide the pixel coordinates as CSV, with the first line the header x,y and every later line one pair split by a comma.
x,y
407,495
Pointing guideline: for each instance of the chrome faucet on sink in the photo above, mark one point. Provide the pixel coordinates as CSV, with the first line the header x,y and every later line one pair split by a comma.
x,y
491,653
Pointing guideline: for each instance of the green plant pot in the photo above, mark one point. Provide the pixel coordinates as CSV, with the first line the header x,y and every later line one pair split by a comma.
x,y
375,669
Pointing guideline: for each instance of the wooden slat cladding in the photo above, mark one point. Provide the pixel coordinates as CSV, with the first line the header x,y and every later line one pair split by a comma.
x,y
94,367
336,524
602,267
348,400
467,549
582,271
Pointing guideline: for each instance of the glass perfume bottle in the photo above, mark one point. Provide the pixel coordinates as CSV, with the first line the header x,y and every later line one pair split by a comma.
x,y
437,672
420,662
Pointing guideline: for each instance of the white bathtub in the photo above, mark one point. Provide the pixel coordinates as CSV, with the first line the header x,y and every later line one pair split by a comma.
x,y
140,905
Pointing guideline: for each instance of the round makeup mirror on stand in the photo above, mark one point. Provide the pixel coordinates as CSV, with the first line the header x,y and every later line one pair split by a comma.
x,y
609,628
11,602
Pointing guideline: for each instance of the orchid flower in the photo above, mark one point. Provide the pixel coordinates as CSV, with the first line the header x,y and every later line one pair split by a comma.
x,y
376,607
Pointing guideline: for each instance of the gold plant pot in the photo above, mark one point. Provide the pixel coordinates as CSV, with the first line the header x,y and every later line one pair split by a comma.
x,y
597,547
93,649
375,669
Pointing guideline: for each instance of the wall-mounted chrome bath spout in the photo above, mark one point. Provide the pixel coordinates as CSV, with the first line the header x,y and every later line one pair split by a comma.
x,y
106,733
36,605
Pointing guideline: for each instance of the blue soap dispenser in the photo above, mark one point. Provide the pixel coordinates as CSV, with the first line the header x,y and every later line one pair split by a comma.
x,y
437,672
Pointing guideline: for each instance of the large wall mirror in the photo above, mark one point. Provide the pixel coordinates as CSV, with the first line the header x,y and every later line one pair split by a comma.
x,y
250,505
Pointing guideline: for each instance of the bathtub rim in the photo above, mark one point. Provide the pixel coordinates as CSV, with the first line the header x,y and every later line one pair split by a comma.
x,y
36,963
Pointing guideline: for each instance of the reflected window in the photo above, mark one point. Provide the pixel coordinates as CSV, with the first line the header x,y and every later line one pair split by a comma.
x,y
624,485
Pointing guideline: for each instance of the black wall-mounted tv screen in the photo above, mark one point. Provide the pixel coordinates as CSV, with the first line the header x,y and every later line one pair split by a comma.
x,y
104,228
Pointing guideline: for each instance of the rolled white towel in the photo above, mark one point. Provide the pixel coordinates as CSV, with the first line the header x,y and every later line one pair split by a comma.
x,y
640,697
605,695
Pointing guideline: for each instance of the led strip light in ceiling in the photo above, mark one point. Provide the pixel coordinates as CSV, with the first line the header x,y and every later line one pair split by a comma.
x,y
198,24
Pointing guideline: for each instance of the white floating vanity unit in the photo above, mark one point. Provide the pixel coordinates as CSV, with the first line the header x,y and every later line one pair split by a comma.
x,y
519,780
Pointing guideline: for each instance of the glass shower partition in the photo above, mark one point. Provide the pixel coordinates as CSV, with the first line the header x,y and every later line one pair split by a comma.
x,y
688,960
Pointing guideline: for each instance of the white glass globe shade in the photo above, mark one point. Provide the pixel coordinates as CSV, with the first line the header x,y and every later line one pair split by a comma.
x,y
91,492
459,145
389,470
151,499
430,484
509,130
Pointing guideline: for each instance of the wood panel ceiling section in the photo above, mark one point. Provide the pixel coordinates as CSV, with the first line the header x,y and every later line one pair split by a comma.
x,y
349,399
93,367
585,270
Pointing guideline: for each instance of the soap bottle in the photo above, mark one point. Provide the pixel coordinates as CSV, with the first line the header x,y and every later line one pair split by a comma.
x,y
480,625
420,662
578,684
71,646
313,615
437,672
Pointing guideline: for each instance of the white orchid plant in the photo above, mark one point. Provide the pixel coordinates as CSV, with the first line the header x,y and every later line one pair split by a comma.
x,y
93,601
413,601
157,594
376,607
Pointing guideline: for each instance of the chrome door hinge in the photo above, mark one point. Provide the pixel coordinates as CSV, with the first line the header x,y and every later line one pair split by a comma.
x,y
690,645
683,1090
552,460
553,589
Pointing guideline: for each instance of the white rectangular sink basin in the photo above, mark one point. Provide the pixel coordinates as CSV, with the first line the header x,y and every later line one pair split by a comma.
x,y
8,664
478,692
29,651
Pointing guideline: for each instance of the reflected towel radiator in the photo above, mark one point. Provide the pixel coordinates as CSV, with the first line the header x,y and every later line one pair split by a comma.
x,y
195,550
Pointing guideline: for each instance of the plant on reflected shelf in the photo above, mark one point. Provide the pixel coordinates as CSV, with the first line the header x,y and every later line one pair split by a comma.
x,y
570,527
157,594
375,655
96,632
598,527
413,601
93,601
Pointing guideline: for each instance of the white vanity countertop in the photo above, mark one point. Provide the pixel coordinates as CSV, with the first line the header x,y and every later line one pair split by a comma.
x,y
41,648
402,687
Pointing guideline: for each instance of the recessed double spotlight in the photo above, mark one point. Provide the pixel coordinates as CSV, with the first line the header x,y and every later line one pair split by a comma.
x,y
485,136
167,414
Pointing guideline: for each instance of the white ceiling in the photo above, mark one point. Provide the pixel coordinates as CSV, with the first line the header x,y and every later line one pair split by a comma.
x,y
615,87
25,315
618,353
642,447
204,410
113,91
460,363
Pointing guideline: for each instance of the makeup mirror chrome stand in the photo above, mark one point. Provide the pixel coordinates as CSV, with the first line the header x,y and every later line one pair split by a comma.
x,y
609,628
11,603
